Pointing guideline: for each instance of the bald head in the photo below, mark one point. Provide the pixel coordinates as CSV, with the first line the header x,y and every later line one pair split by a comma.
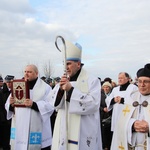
x,y
31,72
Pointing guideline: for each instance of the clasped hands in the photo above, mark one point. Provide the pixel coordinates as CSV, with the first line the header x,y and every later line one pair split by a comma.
x,y
141,126
64,83
27,102
117,99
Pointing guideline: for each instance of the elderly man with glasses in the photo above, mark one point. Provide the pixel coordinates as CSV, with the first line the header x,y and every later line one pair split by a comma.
x,y
132,129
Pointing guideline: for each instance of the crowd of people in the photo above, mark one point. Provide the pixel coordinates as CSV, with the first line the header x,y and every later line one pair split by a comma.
x,y
77,111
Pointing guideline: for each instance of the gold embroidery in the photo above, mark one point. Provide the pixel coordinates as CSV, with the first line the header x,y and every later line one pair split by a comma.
x,y
121,147
130,147
126,110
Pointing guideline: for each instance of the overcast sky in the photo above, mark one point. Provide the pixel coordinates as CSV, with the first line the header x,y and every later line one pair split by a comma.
x,y
114,34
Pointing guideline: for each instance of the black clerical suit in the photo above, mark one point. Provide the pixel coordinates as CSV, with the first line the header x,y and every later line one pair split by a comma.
x,y
5,125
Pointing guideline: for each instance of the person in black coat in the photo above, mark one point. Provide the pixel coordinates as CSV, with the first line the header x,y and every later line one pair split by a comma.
x,y
105,117
5,125
1,83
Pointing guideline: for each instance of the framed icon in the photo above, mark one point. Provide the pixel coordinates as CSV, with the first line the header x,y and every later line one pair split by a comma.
x,y
20,92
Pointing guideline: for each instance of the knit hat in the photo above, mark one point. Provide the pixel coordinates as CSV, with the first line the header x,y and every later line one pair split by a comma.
x,y
107,84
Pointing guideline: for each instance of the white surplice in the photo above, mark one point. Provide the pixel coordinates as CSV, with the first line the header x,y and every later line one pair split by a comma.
x,y
117,107
31,129
83,116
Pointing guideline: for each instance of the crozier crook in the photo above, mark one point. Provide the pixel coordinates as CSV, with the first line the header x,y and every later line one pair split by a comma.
x,y
65,71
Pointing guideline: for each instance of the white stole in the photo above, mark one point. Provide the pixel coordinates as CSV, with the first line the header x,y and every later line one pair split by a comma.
x,y
74,119
119,140
147,118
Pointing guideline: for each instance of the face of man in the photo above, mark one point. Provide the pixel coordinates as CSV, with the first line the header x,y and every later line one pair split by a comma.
x,y
30,73
8,83
106,89
1,83
72,67
144,85
122,79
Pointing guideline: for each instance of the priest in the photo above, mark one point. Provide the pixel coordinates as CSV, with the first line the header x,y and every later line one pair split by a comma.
x,y
116,99
30,129
132,130
77,125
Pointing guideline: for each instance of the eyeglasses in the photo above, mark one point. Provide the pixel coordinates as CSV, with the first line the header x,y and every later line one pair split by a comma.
x,y
143,82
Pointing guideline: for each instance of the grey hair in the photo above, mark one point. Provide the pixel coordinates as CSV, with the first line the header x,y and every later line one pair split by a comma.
x,y
126,74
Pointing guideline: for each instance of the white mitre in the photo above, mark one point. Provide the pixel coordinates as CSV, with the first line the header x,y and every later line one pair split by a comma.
x,y
73,52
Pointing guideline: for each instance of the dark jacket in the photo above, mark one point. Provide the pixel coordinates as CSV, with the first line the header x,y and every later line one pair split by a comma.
x,y
4,93
103,114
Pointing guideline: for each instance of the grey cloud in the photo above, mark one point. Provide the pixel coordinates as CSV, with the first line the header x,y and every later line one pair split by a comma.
x,y
113,33
16,6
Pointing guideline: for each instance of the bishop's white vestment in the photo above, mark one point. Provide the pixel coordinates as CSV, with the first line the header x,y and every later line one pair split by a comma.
x,y
31,130
117,107
124,138
83,123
